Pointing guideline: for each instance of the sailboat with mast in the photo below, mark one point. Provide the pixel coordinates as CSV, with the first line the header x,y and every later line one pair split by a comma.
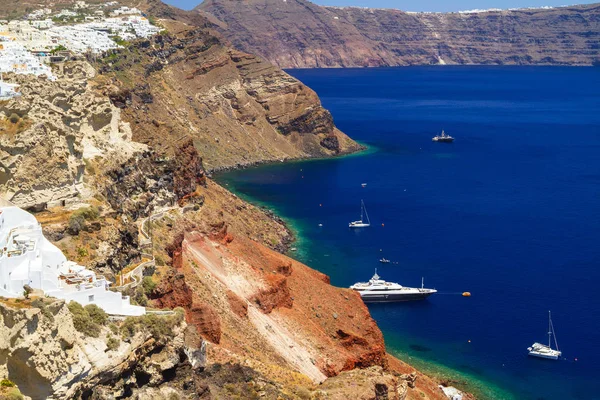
x,y
361,223
543,351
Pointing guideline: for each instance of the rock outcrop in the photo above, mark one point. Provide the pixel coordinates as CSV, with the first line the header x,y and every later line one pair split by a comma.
x,y
235,108
46,357
300,34
58,124
289,312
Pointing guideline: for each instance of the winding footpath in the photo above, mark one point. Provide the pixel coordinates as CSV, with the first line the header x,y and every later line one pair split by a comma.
x,y
137,274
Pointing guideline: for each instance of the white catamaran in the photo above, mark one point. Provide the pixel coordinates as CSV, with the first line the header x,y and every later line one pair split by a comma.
x,y
543,351
363,214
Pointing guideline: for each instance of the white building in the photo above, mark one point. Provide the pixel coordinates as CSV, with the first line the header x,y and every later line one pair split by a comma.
x,y
126,11
14,57
8,90
66,13
42,23
40,13
28,258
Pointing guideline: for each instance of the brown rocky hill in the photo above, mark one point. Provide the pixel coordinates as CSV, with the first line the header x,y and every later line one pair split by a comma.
x,y
237,108
300,34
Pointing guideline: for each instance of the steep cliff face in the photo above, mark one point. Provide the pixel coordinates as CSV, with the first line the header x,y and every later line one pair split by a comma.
x,y
300,34
235,108
58,124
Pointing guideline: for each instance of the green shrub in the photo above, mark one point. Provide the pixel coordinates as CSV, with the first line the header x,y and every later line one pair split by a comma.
x,y
114,329
88,213
6,383
76,224
159,260
140,297
119,40
148,284
78,218
82,252
96,314
57,49
157,326
112,343
14,118
82,321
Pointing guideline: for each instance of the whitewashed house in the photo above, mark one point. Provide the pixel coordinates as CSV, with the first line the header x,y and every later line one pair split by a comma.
x,y
8,90
28,258
14,57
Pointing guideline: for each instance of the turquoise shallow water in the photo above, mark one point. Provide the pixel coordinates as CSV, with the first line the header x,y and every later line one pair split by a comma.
x,y
508,212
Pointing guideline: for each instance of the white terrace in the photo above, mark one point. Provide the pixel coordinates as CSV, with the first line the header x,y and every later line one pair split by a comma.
x,y
28,258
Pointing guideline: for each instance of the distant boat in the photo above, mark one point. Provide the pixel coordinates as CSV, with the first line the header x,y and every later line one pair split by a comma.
x,y
361,223
363,184
384,261
543,351
443,138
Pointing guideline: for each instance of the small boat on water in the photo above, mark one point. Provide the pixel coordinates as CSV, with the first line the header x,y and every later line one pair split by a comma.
x,y
443,138
543,351
361,223
363,184
379,291
384,261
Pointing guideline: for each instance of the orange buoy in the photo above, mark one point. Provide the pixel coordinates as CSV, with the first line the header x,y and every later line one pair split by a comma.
x,y
466,294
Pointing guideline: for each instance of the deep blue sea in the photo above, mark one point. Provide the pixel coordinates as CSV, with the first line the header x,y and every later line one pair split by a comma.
x,y
509,212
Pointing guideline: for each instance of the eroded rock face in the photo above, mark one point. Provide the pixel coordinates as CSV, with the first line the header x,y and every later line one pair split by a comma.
x,y
62,124
255,295
174,291
300,34
46,357
233,108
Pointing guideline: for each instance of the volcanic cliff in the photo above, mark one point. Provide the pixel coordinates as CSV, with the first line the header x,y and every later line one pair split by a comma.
x,y
300,34
113,158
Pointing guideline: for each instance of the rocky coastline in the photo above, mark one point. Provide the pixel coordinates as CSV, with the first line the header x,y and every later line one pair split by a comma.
x,y
241,166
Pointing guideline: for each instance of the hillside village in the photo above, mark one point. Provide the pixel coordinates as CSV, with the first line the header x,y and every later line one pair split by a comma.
x,y
29,45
